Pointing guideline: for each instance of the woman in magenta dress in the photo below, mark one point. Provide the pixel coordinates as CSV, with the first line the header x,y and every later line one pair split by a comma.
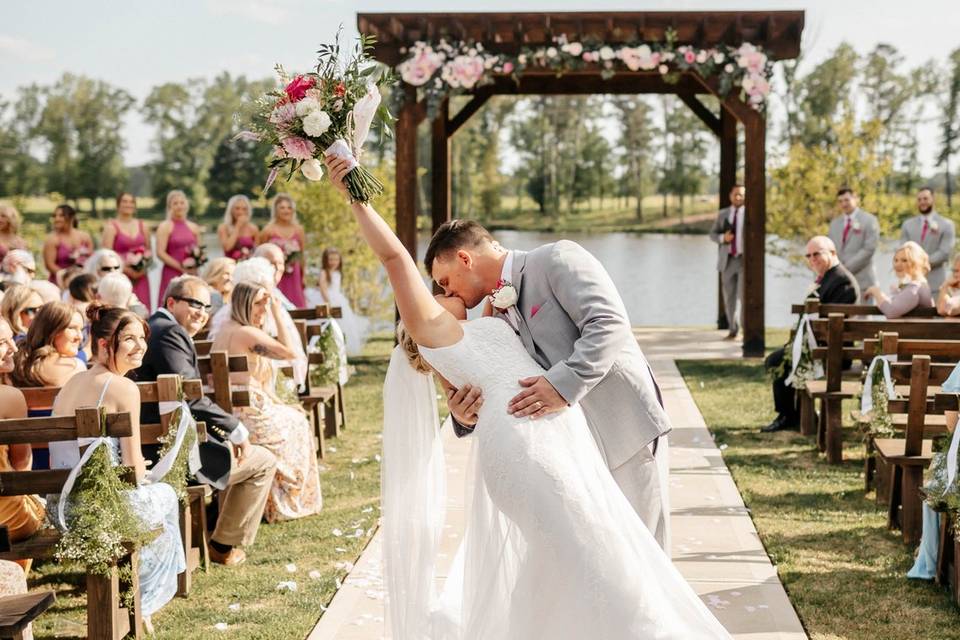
x,y
284,231
128,236
238,235
177,237
66,247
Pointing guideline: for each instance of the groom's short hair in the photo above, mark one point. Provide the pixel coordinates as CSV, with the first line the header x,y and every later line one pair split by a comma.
x,y
454,235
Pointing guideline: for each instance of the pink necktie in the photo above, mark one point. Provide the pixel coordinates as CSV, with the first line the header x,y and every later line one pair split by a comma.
x,y
923,234
846,231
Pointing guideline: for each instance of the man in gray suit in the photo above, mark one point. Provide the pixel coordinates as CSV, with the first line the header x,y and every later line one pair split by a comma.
x,y
572,321
935,234
727,232
856,234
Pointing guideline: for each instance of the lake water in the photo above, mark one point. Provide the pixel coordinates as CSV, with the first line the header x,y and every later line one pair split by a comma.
x,y
672,279
665,279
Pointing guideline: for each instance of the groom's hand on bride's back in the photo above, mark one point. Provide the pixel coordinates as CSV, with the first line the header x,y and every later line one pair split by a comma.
x,y
464,404
537,399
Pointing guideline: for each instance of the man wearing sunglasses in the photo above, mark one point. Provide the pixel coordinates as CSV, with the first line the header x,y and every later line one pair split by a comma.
x,y
245,483
834,284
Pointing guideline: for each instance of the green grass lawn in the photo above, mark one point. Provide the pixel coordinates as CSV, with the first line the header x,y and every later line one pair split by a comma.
x,y
351,497
843,570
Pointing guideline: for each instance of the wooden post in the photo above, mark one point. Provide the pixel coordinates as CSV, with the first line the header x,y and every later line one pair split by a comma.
x,y
754,250
728,177
406,160
440,166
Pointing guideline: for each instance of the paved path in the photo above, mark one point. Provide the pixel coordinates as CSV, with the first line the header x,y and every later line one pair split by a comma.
x,y
715,545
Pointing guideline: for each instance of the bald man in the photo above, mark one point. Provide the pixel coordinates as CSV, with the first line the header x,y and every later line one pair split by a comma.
x,y
834,284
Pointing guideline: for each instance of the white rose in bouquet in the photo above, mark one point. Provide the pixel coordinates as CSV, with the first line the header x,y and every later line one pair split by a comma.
x,y
307,106
316,123
312,169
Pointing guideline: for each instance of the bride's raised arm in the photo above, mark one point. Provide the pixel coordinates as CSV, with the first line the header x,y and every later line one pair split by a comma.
x,y
427,322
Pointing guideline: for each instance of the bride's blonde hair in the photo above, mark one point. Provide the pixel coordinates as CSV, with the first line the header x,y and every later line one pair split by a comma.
x,y
411,350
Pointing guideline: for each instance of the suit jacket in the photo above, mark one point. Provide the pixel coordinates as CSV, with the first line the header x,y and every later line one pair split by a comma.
x,y
856,254
170,350
938,244
574,324
720,226
838,286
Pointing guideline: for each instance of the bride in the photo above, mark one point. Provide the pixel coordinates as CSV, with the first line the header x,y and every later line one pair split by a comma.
x,y
552,547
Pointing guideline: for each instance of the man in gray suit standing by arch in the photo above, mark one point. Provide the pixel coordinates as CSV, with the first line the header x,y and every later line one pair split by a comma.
x,y
727,232
856,234
935,234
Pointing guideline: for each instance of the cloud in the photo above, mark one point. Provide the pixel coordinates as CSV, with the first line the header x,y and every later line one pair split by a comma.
x,y
271,12
24,50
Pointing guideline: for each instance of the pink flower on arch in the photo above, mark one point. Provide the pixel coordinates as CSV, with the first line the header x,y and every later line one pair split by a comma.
x,y
299,148
463,71
689,56
421,66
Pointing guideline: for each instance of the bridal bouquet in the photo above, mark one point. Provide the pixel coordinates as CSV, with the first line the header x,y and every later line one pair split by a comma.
x,y
326,111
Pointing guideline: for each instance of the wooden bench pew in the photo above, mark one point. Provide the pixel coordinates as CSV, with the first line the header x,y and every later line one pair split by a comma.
x,y
107,617
193,521
834,336
319,312
815,307
18,611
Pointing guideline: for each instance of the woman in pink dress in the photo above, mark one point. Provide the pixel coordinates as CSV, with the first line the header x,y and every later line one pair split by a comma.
x,y
238,235
128,236
177,238
10,230
284,231
66,246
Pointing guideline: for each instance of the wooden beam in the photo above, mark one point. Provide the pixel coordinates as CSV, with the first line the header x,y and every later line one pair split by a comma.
x,y
591,83
440,166
755,224
478,100
706,116
406,168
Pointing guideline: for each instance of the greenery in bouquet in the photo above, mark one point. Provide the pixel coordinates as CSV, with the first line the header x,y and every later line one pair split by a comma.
x,y
179,472
879,422
328,372
325,111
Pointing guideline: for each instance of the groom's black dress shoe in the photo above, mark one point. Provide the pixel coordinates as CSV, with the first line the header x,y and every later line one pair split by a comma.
x,y
780,423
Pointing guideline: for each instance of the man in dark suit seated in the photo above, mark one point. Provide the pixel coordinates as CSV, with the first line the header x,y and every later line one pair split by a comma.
x,y
833,285
244,478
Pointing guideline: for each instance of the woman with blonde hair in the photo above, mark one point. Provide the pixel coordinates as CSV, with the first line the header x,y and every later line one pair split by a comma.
x,y
130,238
911,265
219,276
177,238
948,302
238,235
284,231
10,229
280,428
19,307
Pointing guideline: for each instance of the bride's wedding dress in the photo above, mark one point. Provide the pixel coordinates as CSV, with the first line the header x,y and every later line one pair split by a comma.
x,y
552,547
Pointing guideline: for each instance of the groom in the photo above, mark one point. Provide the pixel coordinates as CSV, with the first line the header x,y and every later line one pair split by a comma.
x,y
571,319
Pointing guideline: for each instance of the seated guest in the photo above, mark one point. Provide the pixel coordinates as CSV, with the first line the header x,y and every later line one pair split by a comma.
x,y
279,427
119,344
948,301
102,262
18,266
81,291
911,265
116,290
218,274
49,355
244,482
19,307
834,284
48,291
13,582
22,515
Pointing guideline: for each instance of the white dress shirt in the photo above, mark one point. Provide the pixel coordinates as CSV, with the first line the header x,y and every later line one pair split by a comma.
x,y
505,275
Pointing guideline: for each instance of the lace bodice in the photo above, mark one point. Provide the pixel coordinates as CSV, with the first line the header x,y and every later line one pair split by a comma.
x,y
490,356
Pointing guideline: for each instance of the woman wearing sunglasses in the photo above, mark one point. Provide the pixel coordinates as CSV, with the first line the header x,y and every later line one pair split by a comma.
x,y
102,262
19,307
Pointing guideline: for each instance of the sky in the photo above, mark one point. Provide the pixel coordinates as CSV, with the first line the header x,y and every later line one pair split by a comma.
x,y
138,45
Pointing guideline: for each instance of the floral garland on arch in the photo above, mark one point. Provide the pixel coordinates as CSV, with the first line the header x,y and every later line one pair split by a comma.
x,y
450,67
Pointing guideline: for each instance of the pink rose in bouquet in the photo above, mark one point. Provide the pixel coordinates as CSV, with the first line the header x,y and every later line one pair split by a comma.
x,y
297,88
79,255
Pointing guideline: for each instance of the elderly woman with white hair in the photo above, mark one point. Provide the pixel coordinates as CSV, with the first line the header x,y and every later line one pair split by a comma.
x,y
260,271
102,262
18,266
238,235
116,290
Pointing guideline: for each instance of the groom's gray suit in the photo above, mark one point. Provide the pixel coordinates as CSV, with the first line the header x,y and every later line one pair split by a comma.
x,y
574,324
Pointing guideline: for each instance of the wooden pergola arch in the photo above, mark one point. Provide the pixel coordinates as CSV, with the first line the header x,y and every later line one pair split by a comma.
x,y
777,32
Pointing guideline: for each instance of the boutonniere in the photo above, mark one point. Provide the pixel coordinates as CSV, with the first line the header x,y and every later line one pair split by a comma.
x,y
504,296
933,226
856,226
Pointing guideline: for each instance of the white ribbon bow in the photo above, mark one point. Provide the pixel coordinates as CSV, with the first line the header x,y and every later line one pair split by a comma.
x,y
341,149
163,466
75,472
363,113
804,331
866,400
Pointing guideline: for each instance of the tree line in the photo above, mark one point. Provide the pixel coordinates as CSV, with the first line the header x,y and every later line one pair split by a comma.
x,y
851,119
